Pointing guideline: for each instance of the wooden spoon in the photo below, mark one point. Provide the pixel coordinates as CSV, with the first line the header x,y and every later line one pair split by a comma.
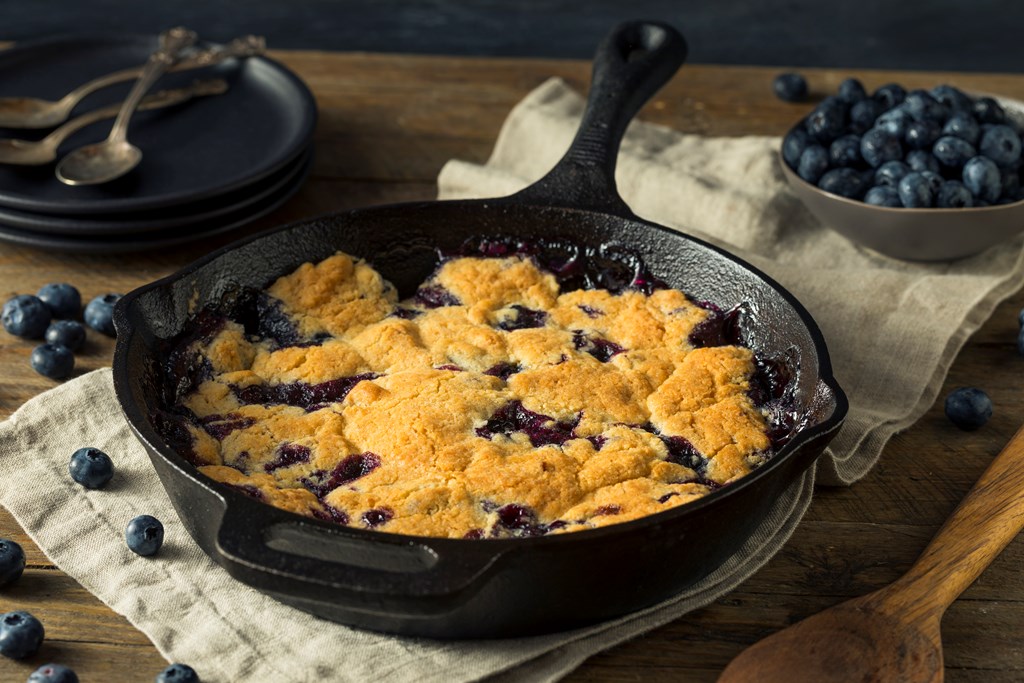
x,y
893,633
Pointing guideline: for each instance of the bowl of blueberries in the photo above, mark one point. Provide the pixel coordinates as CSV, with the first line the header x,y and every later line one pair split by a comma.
x,y
923,175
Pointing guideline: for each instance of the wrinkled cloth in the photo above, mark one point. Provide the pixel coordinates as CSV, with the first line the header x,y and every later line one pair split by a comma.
x,y
893,329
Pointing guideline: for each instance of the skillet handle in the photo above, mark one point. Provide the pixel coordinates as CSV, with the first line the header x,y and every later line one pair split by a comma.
x,y
350,570
630,65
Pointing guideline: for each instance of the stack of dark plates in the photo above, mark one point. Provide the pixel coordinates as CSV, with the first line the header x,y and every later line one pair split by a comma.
x,y
209,165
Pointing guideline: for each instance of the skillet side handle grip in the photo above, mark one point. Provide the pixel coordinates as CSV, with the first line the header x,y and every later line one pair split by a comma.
x,y
421,579
631,64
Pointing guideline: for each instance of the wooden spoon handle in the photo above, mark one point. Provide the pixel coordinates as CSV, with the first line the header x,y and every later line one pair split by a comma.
x,y
977,531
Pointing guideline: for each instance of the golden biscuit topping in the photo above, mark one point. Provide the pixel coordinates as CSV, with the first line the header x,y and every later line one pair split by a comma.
x,y
489,404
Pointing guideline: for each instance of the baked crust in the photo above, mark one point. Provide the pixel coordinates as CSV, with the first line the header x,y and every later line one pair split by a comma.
x,y
490,404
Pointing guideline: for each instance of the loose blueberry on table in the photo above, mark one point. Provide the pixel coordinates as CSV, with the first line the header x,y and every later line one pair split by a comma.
x,y
943,132
99,314
790,87
144,535
53,361
968,408
67,333
12,562
53,673
21,634
26,316
63,300
178,673
91,467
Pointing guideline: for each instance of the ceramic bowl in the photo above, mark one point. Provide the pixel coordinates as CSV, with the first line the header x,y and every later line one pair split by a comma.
x,y
915,234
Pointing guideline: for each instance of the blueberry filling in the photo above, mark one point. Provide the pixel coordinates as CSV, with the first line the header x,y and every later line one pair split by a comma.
x,y
406,313
525,318
719,328
435,297
288,454
219,426
541,429
682,452
599,348
503,370
376,517
590,311
607,510
300,394
450,367
667,497
331,514
598,441
351,468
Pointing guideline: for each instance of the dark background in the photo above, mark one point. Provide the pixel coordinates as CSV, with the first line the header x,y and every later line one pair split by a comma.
x,y
959,35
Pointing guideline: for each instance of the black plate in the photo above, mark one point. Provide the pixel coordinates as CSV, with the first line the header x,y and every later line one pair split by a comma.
x,y
138,222
162,238
198,150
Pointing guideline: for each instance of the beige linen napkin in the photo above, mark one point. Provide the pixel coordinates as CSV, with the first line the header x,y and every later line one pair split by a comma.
x,y
727,190
194,612
892,327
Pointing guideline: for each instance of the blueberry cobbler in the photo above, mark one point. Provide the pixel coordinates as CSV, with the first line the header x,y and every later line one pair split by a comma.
x,y
506,397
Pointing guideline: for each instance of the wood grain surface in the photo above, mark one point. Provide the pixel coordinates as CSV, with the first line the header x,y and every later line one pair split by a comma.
x,y
388,124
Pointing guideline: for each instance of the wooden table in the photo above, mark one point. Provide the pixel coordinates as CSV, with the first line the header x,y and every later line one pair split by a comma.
x,y
387,125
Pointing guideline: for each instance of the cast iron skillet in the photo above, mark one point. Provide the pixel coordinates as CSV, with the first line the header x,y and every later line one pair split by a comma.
x,y
503,587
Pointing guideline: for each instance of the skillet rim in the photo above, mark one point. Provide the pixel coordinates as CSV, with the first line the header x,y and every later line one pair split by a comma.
x,y
145,431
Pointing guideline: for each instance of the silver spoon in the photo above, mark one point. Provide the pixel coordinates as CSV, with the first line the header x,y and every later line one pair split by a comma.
x,y
36,153
104,161
32,112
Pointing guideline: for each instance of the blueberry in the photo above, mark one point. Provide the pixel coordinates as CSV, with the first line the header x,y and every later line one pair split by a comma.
x,y
923,107
890,173
921,160
66,333
21,634
954,98
790,87
845,151
144,535
178,673
827,121
890,95
982,178
954,195
62,299
844,182
12,562
793,145
91,467
99,314
953,152
883,195
50,360
987,110
963,126
851,90
53,673
1000,144
916,191
922,134
25,316
894,122
879,146
968,408
813,162
863,115
934,181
